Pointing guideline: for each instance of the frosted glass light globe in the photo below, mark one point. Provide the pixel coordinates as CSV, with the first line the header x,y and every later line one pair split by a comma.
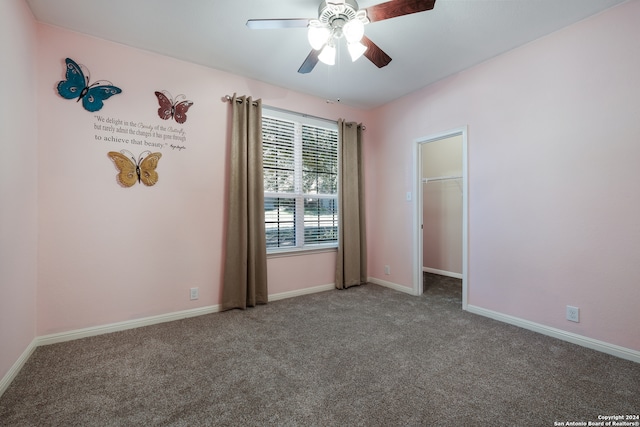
x,y
356,50
328,55
318,36
353,31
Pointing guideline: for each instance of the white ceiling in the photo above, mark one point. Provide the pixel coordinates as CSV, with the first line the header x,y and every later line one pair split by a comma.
x,y
425,47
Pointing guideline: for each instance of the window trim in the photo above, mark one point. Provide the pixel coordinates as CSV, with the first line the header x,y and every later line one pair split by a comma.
x,y
300,248
287,252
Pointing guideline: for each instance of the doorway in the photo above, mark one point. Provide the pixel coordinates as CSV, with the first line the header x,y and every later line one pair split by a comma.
x,y
442,178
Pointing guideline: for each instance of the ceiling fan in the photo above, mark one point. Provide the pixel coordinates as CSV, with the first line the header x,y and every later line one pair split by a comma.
x,y
343,18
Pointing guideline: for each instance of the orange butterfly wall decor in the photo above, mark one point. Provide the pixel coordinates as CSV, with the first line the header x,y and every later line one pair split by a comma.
x,y
131,170
173,109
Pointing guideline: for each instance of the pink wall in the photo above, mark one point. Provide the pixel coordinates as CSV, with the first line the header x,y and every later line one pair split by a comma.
x,y
110,254
553,176
18,182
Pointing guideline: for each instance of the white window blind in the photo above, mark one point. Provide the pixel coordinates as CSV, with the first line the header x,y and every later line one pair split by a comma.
x,y
300,158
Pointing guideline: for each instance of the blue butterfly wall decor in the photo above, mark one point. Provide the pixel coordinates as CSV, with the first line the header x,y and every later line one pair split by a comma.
x,y
77,85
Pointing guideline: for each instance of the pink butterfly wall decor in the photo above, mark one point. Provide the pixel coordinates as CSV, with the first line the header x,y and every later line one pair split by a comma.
x,y
170,108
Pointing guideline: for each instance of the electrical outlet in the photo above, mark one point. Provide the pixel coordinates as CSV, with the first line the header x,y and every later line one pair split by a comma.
x,y
194,293
573,314
387,270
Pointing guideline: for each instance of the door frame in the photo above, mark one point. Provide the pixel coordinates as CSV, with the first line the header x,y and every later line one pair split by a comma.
x,y
417,223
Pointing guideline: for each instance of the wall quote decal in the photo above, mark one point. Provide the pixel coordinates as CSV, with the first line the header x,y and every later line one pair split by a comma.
x,y
132,132
131,170
76,85
170,108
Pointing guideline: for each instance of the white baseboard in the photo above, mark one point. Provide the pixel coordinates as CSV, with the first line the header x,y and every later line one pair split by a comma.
x,y
123,326
300,292
391,285
162,318
604,347
442,272
15,369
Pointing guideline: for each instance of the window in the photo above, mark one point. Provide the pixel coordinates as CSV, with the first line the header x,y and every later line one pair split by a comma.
x,y
300,165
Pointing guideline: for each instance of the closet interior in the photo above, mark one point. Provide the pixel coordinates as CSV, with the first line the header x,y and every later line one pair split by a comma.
x,y
442,208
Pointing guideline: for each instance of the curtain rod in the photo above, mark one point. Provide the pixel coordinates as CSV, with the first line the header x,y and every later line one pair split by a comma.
x,y
228,98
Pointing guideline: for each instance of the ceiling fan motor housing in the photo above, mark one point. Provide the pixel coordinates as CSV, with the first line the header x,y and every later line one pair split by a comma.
x,y
336,14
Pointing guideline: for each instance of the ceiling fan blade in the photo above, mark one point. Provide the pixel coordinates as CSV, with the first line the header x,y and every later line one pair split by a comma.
x,y
270,24
374,53
394,8
309,63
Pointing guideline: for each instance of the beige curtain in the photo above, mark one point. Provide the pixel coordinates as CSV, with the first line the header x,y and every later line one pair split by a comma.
x,y
351,263
245,265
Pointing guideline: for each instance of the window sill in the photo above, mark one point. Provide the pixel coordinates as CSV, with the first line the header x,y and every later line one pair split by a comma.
x,y
299,252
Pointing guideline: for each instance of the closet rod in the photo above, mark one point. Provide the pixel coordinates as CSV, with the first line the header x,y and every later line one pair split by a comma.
x,y
440,178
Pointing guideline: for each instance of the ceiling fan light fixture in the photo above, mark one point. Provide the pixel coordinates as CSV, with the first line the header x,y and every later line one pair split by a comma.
x,y
328,55
318,34
356,50
353,30
344,18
